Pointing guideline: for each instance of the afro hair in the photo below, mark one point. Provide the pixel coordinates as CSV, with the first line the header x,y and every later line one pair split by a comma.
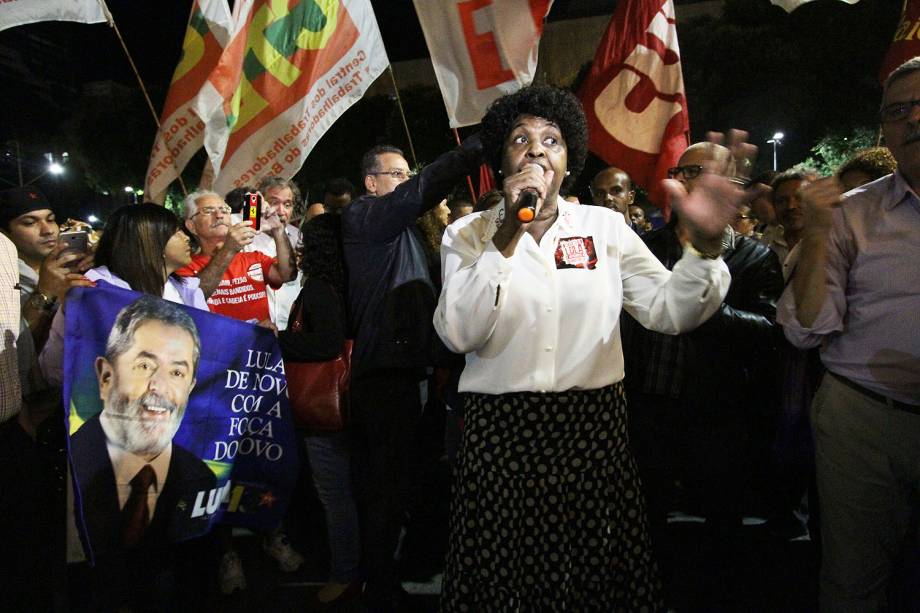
x,y
556,105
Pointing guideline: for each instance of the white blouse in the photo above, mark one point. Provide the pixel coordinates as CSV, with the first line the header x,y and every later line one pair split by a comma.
x,y
547,319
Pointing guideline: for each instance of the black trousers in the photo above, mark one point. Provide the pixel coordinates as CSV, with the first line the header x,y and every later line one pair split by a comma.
x,y
386,410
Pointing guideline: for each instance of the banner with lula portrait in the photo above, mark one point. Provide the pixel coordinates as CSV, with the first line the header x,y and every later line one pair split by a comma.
x,y
177,419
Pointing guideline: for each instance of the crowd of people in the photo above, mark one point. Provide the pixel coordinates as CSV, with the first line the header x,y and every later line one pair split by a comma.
x,y
598,370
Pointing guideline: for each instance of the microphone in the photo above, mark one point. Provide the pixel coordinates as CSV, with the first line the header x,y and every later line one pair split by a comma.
x,y
528,199
528,209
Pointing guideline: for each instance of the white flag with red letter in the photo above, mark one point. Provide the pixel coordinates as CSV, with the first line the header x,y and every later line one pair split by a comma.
x,y
634,95
20,12
481,50
181,130
289,71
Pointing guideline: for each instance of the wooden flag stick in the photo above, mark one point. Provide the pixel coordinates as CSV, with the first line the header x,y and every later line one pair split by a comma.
x,y
402,114
153,113
469,181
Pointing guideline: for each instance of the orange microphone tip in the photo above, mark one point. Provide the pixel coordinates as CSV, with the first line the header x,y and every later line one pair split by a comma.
x,y
525,215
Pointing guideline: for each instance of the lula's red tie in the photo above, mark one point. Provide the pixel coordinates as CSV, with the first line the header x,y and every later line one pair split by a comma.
x,y
136,514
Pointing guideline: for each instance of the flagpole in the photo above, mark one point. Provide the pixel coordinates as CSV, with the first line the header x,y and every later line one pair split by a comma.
x,y
469,181
156,118
402,114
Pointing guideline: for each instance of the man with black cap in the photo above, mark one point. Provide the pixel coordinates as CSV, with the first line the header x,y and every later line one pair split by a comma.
x,y
46,271
32,467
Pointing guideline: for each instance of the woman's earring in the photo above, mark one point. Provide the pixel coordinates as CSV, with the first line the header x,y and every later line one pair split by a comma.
x,y
568,172
499,171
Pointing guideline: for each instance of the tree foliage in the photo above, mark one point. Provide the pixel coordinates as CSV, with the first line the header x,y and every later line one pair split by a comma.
x,y
835,148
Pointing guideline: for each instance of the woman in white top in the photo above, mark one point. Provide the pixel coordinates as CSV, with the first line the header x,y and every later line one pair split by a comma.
x,y
547,513
142,245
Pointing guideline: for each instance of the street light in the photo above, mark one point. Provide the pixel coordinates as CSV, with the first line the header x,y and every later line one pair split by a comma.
x,y
776,141
92,219
55,168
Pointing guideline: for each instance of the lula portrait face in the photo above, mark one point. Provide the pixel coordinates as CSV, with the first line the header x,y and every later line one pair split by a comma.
x,y
146,390
535,140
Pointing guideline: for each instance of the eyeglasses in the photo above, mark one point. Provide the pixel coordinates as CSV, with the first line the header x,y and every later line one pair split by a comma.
x,y
279,202
690,171
897,111
210,211
398,174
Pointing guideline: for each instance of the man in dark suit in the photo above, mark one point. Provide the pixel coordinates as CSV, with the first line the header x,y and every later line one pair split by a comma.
x,y
137,488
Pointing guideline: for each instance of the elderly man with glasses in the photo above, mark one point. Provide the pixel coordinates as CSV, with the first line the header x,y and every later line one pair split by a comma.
x,y
234,281
855,294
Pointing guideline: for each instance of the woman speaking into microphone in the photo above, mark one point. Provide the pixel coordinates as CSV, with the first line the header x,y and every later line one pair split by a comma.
x,y
547,513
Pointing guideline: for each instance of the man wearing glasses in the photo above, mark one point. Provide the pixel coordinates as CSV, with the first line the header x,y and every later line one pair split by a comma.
x,y
234,281
391,302
855,294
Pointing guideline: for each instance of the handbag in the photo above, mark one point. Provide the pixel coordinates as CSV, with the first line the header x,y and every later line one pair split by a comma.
x,y
318,391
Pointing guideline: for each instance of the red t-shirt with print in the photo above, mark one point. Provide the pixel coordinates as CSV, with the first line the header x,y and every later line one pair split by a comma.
x,y
241,292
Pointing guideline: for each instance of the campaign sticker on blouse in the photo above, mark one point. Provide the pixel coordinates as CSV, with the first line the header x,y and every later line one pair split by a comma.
x,y
576,252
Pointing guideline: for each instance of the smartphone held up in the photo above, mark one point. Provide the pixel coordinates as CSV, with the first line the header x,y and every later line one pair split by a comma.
x,y
252,209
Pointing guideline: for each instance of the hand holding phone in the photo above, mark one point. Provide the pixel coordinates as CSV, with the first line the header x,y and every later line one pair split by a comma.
x,y
75,242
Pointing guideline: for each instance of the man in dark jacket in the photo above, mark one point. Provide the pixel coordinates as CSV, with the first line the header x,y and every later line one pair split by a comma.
x,y
391,300
693,397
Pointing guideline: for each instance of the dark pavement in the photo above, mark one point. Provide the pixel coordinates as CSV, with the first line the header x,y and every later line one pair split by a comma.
x,y
750,571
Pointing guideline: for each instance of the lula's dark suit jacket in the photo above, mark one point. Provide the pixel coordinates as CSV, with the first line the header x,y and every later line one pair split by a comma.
x,y
172,521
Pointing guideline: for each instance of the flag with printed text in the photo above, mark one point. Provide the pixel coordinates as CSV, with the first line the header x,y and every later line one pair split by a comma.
x,y
634,95
290,70
181,132
481,50
20,12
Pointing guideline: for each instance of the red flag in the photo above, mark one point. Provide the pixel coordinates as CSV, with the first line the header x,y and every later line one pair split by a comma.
x,y
634,95
486,180
906,41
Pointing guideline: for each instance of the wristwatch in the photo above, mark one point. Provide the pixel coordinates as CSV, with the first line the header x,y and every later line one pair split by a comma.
x,y
710,255
43,301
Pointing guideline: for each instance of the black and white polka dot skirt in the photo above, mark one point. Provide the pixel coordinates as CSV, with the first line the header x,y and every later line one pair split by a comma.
x,y
547,514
